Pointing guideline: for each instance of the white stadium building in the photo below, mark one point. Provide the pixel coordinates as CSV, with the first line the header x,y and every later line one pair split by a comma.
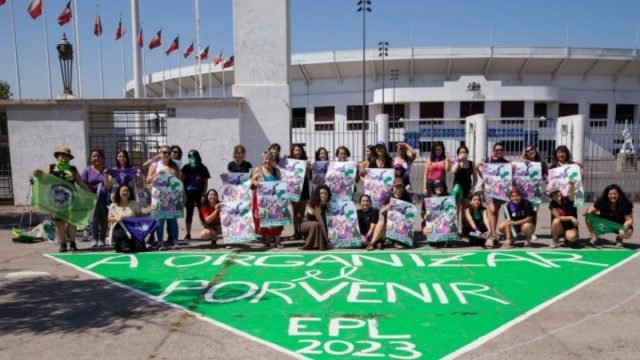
x,y
429,92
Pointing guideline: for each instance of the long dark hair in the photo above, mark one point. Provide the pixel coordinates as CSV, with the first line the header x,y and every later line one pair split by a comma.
x,y
372,152
176,147
346,150
304,152
126,156
172,164
196,154
564,149
100,153
432,156
205,198
319,151
535,158
315,196
116,195
623,201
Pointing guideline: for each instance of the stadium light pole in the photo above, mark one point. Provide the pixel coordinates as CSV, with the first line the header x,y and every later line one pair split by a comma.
x,y
394,77
383,48
364,6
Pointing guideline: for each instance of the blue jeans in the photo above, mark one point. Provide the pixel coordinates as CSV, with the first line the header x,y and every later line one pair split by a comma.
x,y
173,230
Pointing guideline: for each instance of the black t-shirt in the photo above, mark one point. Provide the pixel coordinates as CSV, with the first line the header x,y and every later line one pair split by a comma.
x,y
616,215
243,167
194,178
565,208
365,219
524,210
497,161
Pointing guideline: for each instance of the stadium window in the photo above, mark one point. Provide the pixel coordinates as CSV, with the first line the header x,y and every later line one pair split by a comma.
x,y
625,112
513,146
468,108
540,111
598,111
432,110
512,109
299,118
395,112
324,118
567,109
354,117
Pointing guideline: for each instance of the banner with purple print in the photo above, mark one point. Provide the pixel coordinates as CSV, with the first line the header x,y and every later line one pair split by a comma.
x,y
400,219
235,187
122,176
319,172
293,172
167,194
237,222
377,184
497,180
342,225
273,204
528,178
341,179
441,218
559,179
138,227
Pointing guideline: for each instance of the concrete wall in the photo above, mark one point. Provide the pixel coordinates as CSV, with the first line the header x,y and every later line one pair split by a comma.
x,y
35,132
262,56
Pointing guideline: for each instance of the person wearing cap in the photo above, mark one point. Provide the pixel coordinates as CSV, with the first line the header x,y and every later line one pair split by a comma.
x,y
399,172
564,215
65,232
436,167
405,157
399,192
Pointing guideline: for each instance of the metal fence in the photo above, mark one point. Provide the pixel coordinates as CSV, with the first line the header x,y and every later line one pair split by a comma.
x,y
6,185
140,132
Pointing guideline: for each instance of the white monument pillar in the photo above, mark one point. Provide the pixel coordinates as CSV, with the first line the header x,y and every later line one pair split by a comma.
x,y
261,40
476,137
570,132
382,121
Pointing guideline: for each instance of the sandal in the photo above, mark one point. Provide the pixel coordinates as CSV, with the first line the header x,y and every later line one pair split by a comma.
x,y
594,243
228,247
508,245
370,248
280,246
489,244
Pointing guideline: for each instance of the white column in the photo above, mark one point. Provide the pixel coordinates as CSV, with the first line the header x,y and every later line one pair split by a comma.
x,y
476,136
570,132
138,89
382,122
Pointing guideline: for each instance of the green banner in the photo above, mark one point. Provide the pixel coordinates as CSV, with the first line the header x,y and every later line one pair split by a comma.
x,y
603,226
402,305
63,200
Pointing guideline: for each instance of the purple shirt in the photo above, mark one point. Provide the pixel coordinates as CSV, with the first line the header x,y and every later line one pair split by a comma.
x,y
94,179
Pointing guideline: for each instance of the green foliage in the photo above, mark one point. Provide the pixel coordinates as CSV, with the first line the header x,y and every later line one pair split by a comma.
x,y
5,91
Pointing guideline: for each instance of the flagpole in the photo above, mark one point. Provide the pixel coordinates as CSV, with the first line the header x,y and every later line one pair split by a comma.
x,y
179,76
209,78
164,91
77,52
124,65
195,74
15,51
46,47
100,52
224,86
198,66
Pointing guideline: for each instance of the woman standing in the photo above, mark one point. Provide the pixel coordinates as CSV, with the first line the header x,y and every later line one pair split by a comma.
x,y
275,150
562,156
267,171
123,162
436,167
381,158
195,177
164,164
65,232
93,175
613,205
239,164
314,226
210,215
124,206
494,205
298,153
406,156
465,177
176,155
322,154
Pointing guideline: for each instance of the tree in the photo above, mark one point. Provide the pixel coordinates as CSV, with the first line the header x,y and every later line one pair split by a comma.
x,y
5,90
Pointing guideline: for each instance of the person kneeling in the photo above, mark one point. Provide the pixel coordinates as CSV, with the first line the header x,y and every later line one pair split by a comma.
x,y
314,226
519,219
210,212
476,223
124,207
615,215
564,216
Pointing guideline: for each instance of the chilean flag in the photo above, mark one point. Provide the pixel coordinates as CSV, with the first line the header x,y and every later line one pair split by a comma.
x,y
140,39
204,54
175,45
229,63
218,59
65,15
156,41
120,31
2,2
188,51
35,8
97,26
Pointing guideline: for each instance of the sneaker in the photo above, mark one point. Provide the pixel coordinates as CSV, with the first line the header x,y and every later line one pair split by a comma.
x,y
162,248
63,247
187,237
554,244
534,237
73,247
94,243
101,243
619,243
527,243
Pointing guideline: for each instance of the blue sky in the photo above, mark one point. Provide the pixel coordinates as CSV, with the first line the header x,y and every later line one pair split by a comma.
x,y
315,26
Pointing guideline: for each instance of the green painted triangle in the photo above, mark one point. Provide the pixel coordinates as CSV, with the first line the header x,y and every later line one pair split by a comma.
x,y
402,305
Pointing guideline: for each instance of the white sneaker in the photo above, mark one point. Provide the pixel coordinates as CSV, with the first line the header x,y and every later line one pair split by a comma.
x,y
100,243
554,244
534,237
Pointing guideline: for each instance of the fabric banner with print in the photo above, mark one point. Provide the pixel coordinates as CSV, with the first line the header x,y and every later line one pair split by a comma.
x,y
400,219
63,200
441,218
341,179
528,178
235,187
122,176
377,184
167,194
139,227
273,204
293,173
603,226
497,180
237,222
559,179
342,225
319,173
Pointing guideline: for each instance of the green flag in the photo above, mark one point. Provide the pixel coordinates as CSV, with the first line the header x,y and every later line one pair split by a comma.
x,y
63,200
603,226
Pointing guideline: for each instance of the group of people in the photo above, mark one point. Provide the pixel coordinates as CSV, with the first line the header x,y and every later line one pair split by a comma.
x,y
116,200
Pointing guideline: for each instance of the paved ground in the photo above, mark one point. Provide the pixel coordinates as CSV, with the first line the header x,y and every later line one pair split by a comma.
x,y
51,311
